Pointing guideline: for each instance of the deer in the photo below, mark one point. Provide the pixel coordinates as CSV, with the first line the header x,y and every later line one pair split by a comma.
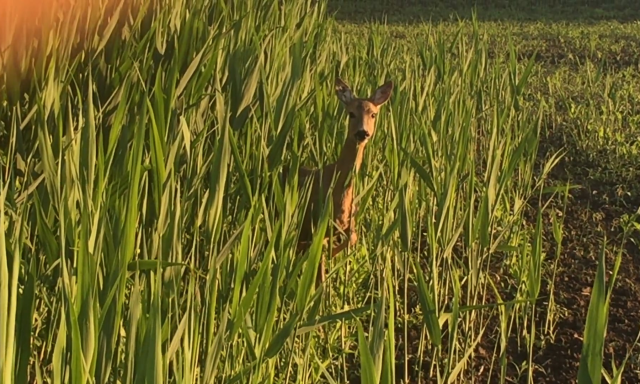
x,y
341,173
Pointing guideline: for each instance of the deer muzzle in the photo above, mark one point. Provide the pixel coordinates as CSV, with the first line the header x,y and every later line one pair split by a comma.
x,y
362,135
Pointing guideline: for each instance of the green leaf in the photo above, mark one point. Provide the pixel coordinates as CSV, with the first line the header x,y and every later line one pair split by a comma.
x,y
281,337
367,367
152,265
589,371
184,80
428,307
312,325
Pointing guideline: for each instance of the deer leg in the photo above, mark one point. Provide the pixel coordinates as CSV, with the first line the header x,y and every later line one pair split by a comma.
x,y
353,239
339,248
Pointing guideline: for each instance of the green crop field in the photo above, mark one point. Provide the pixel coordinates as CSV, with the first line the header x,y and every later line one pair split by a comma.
x,y
145,237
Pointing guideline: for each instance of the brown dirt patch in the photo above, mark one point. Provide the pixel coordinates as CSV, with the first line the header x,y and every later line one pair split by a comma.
x,y
556,360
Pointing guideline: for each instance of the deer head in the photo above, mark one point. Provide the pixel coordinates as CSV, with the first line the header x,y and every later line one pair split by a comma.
x,y
362,112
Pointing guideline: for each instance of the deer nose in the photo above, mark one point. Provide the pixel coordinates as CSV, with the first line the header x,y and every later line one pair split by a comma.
x,y
362,135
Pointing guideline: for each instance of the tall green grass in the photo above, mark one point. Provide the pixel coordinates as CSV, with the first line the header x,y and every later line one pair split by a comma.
x,y
146,237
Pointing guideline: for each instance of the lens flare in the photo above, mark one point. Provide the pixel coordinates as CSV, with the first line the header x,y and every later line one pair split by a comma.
x,y
32,32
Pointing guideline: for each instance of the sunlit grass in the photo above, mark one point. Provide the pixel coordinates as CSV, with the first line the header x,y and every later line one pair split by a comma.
x,y
147,238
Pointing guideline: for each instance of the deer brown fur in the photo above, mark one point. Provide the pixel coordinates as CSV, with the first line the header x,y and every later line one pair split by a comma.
x,y
362,119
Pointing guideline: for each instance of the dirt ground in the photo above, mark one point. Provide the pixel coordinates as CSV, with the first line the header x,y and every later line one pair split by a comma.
x,y
587,219
589,216
592,212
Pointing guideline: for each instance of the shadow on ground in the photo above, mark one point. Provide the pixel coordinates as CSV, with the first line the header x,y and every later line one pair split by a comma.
x,y
549,11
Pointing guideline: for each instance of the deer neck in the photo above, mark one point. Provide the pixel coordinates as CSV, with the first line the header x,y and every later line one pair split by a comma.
x,y
349,162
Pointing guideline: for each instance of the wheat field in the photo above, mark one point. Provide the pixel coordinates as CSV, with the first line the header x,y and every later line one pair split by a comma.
x,y
146,237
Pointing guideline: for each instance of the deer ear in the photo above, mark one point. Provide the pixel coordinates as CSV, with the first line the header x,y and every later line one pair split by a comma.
x,y
382,94
343,91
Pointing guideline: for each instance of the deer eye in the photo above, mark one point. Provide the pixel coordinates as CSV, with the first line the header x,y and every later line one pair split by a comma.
x,y
373,115
352,115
